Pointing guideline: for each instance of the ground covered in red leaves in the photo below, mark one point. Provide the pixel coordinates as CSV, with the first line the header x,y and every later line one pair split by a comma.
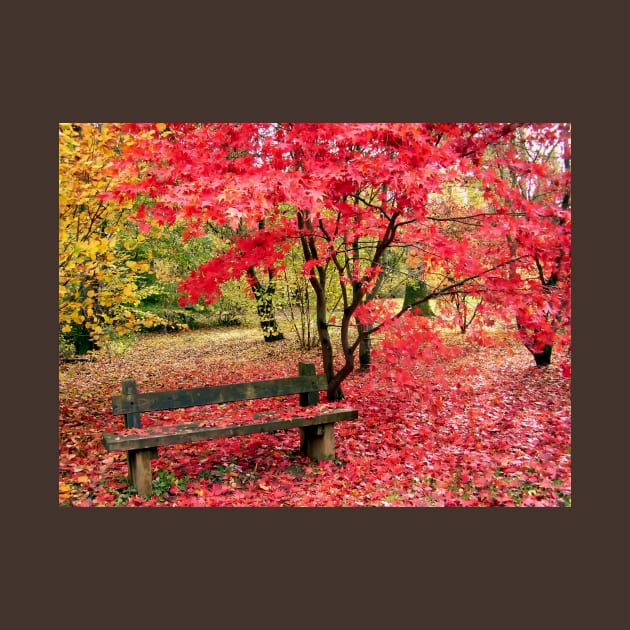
x,y
484,427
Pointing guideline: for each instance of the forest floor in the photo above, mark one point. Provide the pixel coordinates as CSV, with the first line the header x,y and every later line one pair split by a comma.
x,y
495,430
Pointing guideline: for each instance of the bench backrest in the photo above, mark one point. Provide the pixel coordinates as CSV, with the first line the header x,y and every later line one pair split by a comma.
x,y
308,384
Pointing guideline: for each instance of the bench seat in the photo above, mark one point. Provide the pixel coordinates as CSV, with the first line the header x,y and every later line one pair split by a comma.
x,y
185,432
317,439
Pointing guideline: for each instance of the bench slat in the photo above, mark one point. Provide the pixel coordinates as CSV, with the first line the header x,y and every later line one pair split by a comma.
x,y
192,432
198,396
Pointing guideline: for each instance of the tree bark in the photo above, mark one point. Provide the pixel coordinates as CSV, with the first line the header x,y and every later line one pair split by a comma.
x,y
324,336
265,307
365,348
542,358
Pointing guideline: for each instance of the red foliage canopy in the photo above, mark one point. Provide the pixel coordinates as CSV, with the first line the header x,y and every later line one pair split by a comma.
x,y
332,187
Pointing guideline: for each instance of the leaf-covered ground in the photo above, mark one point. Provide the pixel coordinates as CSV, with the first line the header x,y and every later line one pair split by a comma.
x,y
482,428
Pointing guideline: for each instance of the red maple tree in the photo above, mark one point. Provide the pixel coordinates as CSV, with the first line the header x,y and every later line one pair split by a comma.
x,y
349,193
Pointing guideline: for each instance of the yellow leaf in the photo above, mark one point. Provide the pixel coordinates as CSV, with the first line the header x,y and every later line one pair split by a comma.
x,y
128,290
83,479
161,127
64,487
92,250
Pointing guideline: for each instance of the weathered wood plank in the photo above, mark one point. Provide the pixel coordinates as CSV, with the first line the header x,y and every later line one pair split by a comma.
x,y
140,467
130,395
308,398
318,442
132,420
192,432
198,396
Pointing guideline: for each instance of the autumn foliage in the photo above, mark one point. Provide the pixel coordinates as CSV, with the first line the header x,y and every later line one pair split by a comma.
x,y
481,428
453,411
98,261
347,194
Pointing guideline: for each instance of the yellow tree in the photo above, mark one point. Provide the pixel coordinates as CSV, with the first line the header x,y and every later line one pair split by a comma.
x,y
99,263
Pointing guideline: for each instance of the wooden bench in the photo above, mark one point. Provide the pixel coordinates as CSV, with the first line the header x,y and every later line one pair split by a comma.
x,y
316,429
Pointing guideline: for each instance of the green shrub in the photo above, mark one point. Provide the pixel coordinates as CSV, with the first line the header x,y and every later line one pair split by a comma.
x,y
66,347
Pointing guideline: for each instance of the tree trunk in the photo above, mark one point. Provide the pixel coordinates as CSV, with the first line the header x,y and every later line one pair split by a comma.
x,y
268,323
265,308
365,348
325,343
543,358
334,392
334,382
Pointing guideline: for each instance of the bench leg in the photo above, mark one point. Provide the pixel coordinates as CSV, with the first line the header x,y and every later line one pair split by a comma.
x,y
318,441
140,470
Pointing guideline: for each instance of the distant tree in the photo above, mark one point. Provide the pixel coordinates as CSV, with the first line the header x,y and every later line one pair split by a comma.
x,y
98,272
538,165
